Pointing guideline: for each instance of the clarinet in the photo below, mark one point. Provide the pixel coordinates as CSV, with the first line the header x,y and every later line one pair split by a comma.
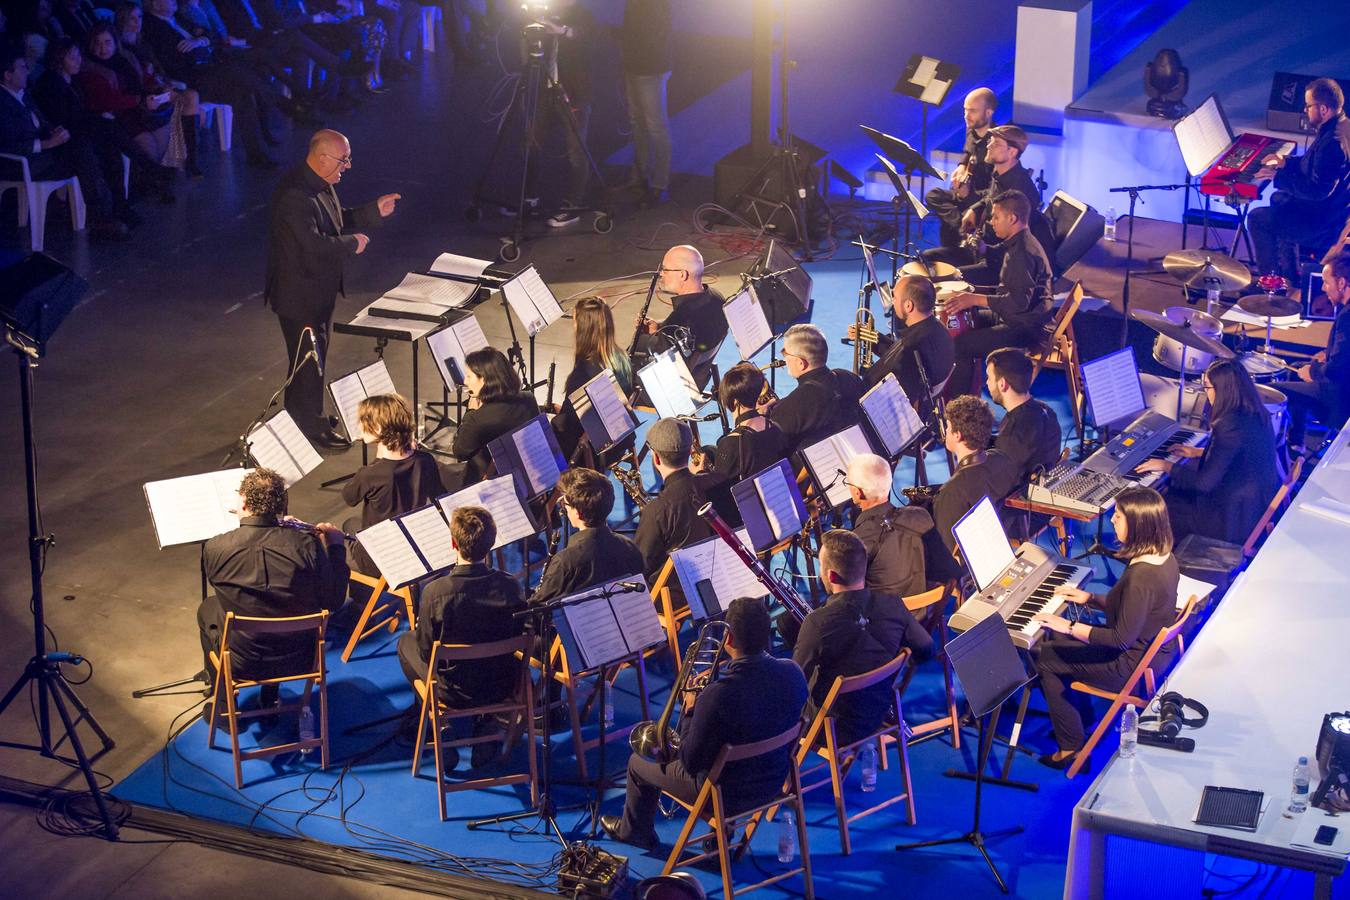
x,y
642,314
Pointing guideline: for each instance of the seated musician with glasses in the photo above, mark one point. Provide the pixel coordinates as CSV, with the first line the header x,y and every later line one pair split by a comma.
x,y
755,697
1142,603
1225,490
1018,312
594,554
670,520
979,472
265,569
696,322
825,400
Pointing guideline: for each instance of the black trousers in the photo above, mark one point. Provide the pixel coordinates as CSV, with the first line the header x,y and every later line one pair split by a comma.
x,y
646,781
973,346
304,395
410,657
211,624
1308,399
949,209
247,93
1062,661
1285,222
78,158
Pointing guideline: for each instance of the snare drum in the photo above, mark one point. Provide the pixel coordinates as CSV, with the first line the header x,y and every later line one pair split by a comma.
x,y
1263,366
956,323
1168,352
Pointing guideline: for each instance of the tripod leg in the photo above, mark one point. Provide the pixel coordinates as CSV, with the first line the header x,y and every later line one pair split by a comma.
x,y
19,685
99,800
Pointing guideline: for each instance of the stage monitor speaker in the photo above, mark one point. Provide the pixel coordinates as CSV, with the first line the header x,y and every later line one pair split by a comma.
x,y
783,288
1284,111
1077,228
732,173
36,295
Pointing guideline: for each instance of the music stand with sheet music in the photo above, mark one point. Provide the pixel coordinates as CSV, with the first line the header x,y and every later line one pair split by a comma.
x,y
890,417
669,386
603,410
748,323
711,575
450,346
827,460
348,391
903,197
532,454
926,79
533,302
770,504
410,547
279,444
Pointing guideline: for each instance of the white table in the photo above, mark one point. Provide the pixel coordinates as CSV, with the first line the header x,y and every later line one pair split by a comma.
x,y
1270,662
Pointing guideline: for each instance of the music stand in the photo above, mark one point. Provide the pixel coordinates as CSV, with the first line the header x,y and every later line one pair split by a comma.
x,y
990,672
926,79
896,155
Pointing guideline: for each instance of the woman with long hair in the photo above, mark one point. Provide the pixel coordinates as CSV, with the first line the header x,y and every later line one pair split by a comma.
x,y
595,351
1142,603
497,405
1224,489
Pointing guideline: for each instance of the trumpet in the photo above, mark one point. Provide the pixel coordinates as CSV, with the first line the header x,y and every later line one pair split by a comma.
x,y
865,336
657,741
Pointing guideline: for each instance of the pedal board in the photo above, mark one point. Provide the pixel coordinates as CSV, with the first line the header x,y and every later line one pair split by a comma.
x,y
588,871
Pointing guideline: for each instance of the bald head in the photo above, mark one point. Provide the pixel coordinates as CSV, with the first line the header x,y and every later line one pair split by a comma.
x,y
979,109
330,154
682,270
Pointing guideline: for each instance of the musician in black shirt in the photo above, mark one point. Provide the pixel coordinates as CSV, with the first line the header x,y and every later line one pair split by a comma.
x,y
670,520
979,472
755,697
594,554
854,632
1313,188
595,350
825,400
755,443
1142,603
1019,306
971,178
402,477
893,536
1029,433
471,604
497,406
264,569
696,323
1323,385
924,340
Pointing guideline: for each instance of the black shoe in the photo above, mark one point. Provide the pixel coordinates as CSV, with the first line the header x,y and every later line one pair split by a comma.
x,y
328,439
612,826
1048,760
488,751
449,758
654,198
109,231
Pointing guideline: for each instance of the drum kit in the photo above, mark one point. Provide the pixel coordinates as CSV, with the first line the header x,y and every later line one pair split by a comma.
x,y
1188,340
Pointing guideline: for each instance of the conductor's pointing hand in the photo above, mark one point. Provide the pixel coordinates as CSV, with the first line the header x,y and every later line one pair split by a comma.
x,y
387,202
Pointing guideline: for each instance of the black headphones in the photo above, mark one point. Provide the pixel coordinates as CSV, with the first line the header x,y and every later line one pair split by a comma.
x,y
1171,716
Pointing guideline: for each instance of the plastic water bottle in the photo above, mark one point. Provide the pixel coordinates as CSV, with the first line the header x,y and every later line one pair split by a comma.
x,y
1129,731
306,728
867,758
787,837
1110,234
609,711
1298,796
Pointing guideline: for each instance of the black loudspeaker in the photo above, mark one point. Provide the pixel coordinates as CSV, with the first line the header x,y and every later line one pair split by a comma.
x,y
783,288
1284,111
1076,227
36,295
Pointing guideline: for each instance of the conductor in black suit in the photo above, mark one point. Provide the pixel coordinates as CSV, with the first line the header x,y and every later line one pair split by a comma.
x,y
310,238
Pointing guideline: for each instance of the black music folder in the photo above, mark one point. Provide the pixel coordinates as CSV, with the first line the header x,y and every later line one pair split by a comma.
x,y
532,453
409,547
603,411
606,623
770,504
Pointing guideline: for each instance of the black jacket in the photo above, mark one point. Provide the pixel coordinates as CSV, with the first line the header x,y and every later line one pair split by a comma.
x,y
472,604
163,40
1024,294
743,451
21,126
263,569
1320,174
592,556
645,37
990,472
391,487
824,402
894,539
310,237
1224,493
480,427
854,632
1333,377
932,342
753,699
1030,436
670,521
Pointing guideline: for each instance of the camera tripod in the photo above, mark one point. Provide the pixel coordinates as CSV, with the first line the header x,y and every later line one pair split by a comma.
x,y
537,85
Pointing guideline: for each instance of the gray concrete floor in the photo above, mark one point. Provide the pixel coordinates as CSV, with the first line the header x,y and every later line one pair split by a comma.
x,y
168,357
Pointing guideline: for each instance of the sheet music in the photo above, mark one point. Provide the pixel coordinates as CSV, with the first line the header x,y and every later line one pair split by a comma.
x,y
1113,387
392,553
375,379
935,90
712,559
398,329
1203,136
776,497
669,385
637,616
924,71
891,415
456,342
428,289
748,325
595,629
536,457
460,266
832,455
532,301
194,507
431,534
498,496
279,445
607,398
983,542
349,390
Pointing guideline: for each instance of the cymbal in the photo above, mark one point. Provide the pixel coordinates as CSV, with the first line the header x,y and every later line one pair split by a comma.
x,y
1207,271
1269,305
1183,334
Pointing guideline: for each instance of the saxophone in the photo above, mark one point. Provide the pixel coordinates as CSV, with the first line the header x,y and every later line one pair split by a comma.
x,y
628,473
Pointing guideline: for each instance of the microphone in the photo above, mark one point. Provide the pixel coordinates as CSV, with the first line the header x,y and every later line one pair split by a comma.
x,y
630,585
314,353
318,364
779,274
708,418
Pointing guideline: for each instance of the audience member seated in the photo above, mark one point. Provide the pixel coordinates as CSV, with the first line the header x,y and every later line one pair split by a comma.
x,y
259,23
402,477
153,80
496,406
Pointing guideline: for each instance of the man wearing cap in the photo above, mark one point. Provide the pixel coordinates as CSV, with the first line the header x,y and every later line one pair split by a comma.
x,y
670,521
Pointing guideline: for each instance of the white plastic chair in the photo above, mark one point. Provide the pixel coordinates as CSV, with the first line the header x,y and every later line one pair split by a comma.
x,y
224,116
33,197
431,17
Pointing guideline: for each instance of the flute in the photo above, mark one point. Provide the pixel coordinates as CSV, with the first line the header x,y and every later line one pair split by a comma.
x,y
298,525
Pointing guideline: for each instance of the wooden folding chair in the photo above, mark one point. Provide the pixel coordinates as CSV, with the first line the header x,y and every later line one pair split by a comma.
x,y
1062,353
227,687
928,608
383,613
839,759
438,716
670,617
1142,671
710,805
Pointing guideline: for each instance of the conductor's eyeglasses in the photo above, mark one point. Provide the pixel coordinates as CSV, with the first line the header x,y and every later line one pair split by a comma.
x,y
343,161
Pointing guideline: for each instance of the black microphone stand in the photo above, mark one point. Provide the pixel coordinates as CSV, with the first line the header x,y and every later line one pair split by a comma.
x,y
1134,192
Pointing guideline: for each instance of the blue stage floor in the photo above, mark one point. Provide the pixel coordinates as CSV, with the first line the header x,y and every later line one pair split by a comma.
x,y
368,799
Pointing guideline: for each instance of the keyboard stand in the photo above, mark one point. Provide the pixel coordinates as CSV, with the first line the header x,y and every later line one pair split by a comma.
x,y
1099,548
